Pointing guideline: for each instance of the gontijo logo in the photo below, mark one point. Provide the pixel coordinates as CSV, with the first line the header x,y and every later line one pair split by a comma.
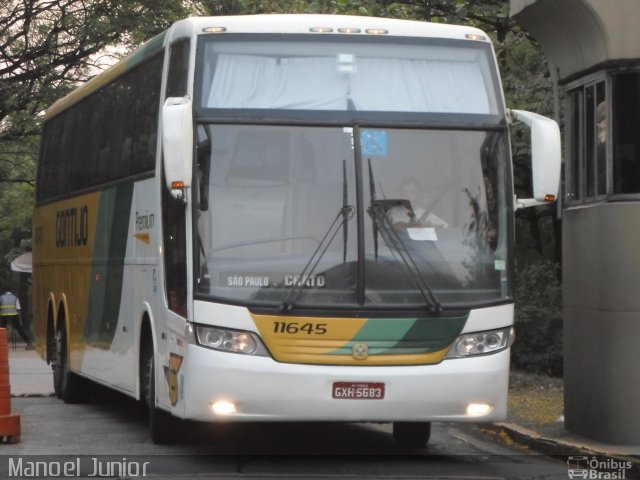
x,y
72,227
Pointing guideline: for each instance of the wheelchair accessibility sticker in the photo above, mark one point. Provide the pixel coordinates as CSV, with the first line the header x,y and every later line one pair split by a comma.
x,y
374,143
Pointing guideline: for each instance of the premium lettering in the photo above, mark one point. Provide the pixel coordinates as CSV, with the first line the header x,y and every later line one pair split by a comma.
x,y
145,222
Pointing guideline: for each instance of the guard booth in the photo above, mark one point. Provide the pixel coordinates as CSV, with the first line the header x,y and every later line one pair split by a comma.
x,y
593,49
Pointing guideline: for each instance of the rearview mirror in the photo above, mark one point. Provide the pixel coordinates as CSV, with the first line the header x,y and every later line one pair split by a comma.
x,y
177,144
545,158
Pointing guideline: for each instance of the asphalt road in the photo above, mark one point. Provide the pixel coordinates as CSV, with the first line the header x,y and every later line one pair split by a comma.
x,y
111,440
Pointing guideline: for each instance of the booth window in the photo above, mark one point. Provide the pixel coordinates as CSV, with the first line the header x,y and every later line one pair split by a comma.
x,y
626,141
587,138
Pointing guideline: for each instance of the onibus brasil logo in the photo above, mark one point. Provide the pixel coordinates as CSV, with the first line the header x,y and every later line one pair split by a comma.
x,y
597,468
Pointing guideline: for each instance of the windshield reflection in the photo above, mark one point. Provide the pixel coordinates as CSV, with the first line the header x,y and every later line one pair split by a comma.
x,y
272,200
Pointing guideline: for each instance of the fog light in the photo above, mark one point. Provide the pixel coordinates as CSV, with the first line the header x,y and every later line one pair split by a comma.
x,y
478,409
223,407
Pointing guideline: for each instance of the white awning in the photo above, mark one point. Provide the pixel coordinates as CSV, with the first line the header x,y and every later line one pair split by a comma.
x,y
22,264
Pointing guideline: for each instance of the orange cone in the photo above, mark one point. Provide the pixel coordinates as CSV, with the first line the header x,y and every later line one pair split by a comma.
x,y
9,424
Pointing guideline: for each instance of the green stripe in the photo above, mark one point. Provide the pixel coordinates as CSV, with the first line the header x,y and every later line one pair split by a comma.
x,y
107,272
404,336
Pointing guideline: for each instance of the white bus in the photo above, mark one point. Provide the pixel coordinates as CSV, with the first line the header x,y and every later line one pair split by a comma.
x,y
287,218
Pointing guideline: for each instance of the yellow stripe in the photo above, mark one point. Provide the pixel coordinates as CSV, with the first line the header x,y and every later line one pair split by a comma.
x,y
143,237
323,335
316,338
373,360
63,271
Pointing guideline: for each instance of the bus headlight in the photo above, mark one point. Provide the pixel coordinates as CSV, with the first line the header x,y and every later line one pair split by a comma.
x,y
227,340
482,343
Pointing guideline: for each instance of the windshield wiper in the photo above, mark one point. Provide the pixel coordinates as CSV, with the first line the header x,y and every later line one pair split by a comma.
x,y
345,213
378,211
374,220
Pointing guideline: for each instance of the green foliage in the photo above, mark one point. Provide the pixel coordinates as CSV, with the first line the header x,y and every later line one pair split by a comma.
x,y
47,47
538,318
15,225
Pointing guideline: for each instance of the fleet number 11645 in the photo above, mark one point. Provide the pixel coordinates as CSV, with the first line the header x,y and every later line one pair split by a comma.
x,y
296,327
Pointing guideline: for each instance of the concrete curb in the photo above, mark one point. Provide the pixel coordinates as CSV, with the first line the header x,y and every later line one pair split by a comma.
x,y
555,447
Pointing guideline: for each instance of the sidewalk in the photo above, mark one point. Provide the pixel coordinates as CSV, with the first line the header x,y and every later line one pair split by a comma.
x,y
538,427
29,375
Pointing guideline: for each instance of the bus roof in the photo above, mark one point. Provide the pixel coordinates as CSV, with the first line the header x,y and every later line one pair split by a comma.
x,y
334,24
269,23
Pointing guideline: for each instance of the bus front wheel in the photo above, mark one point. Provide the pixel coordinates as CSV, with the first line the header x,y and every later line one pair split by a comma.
x,y
412,434
160,422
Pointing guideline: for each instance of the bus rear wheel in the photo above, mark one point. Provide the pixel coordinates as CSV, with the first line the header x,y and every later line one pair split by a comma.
x,y
67,385
412,434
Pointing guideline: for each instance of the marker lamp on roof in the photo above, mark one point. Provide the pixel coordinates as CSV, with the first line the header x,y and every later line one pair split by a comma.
x,y
473,36
321,30
377,31
214,29
349,30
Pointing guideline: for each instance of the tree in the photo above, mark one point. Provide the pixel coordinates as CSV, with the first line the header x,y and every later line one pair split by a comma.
x,y
47,47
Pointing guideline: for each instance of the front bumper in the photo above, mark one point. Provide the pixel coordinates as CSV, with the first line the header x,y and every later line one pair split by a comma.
x,y
264,390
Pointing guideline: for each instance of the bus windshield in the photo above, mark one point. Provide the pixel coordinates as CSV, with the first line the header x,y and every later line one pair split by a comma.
x,y
361,74
347,216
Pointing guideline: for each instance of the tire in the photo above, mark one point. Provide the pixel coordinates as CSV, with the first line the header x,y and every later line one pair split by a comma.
x,y
67,385
54,360
161,423
412,434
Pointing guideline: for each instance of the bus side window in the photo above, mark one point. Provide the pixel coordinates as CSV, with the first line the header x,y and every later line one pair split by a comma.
x,y
178,69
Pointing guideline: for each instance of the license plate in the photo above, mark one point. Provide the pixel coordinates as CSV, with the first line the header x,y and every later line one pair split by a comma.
x,y
358,390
